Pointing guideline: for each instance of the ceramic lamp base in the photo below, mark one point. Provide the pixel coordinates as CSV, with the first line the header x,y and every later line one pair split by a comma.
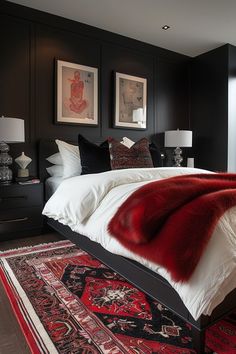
x,y
23,172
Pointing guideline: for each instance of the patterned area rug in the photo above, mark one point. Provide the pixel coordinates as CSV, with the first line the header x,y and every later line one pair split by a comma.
x,y
68,302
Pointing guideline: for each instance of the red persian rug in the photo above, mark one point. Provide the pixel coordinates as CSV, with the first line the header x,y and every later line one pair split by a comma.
x,y
68,302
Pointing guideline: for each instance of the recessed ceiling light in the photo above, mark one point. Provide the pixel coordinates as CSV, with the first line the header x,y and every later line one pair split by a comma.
x,y
166,27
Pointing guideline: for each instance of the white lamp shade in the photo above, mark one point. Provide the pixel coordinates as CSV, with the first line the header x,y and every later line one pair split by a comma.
x,y
12,130
178,138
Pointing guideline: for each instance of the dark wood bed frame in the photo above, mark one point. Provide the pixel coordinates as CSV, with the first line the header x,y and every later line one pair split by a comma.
x,y
143,278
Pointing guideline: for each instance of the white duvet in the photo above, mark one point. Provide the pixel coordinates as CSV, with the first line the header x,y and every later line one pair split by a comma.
x,y
87,203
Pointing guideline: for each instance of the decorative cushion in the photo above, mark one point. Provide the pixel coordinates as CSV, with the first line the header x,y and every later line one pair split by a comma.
x,y
138,156
156,155
71,159
94,158
55,159
155,152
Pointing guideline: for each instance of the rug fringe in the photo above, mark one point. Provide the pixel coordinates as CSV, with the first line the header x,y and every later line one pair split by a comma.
x,y
37,245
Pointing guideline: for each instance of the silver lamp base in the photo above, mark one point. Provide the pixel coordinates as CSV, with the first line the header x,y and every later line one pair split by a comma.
x,y
5,175
177,157
5,162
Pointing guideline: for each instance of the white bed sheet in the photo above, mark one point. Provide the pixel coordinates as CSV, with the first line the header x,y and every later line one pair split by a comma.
x,y
87,203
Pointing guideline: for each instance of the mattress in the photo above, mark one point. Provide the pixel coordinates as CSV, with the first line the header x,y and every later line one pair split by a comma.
x,y
87,203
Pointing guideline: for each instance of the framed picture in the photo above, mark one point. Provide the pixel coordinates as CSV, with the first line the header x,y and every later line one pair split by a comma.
x,y
76,93
130,102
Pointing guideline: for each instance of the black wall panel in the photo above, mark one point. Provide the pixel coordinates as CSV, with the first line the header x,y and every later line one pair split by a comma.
x,y
209,108
16,81
131,62
52,44
31,41
15,93
172,87
232,109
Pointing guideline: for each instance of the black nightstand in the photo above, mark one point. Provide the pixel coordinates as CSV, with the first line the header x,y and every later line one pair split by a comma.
x,y
20,210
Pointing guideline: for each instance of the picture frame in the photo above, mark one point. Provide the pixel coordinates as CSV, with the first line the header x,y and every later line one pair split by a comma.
x,y
130,102
76,94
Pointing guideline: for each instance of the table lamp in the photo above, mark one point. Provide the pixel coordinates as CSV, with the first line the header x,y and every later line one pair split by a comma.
x,y
178,138
11,131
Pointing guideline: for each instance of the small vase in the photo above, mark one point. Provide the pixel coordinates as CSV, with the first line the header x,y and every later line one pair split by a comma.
x,y
23,161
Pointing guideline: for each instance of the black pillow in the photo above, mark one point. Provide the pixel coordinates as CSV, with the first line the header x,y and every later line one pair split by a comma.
x,y
156,155
94,158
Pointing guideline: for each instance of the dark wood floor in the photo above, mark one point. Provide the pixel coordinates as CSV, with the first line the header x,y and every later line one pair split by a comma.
x,y
12,340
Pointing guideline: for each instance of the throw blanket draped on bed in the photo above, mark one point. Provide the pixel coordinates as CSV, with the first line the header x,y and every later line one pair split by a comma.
x,y
169,222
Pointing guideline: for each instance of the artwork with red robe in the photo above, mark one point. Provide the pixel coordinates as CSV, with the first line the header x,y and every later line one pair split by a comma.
x,y
77,94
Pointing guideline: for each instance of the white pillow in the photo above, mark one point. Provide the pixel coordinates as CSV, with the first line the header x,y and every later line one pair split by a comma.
x,y
127,142
70,158
55,170
55,159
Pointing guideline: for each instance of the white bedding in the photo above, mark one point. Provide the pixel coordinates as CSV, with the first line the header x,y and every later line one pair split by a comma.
x,y
51,185
87,203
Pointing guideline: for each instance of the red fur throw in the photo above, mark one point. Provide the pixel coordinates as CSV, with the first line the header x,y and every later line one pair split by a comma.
x,y
170,221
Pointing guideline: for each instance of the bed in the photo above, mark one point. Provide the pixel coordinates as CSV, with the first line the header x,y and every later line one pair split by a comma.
x,y
140,275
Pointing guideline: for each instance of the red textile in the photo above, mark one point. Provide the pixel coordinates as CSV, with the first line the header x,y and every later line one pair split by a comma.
x,y
170,221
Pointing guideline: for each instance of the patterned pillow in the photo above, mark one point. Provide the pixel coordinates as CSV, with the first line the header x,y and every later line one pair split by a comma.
x,y
154,151
138,156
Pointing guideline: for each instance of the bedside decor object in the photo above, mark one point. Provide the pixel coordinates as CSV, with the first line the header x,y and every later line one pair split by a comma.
x,y
178,138
190,162
11,131
76,94
30,181
130,101
23,161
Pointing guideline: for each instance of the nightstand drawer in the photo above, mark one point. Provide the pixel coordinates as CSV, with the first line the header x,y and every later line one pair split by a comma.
x,y
16,196
14,220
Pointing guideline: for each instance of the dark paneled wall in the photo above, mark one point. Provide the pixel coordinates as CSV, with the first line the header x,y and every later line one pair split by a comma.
x,y
172,88
232,109
52,43
209,108
31,41
15,95
213,108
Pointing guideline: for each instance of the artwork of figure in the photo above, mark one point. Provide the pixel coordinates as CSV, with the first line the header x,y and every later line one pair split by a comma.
x,y
77,93
131,98
130,101
77,103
